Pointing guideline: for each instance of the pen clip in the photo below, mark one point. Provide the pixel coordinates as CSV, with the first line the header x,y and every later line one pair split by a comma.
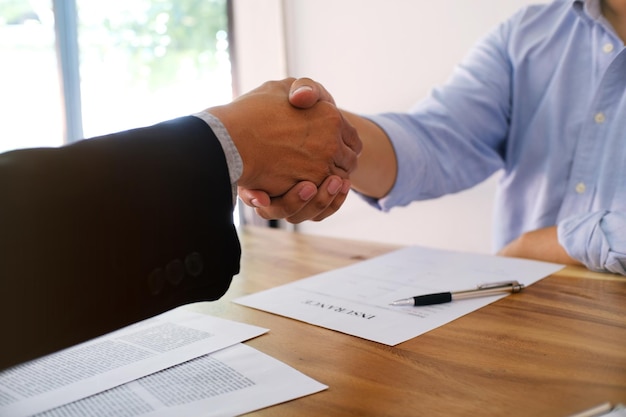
x,y
514,285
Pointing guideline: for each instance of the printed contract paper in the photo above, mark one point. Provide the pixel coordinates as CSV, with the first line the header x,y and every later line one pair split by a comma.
x,y
355,299
229,382
114,359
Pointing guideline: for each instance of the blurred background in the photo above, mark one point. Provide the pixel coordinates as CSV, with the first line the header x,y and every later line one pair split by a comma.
x,y
77,68
107,66
376,56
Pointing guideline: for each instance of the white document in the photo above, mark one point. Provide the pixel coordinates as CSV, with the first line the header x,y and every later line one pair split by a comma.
x,y
603,410
230,382
114,359
618,411
355,299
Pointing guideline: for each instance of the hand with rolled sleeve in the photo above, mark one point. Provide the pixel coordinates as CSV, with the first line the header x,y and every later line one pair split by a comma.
x,y
560,150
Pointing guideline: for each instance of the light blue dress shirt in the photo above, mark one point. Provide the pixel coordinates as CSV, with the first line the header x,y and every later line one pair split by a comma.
x,y
542,98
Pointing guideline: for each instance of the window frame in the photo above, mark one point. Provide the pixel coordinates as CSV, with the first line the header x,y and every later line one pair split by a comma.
x,y
66,32
68,57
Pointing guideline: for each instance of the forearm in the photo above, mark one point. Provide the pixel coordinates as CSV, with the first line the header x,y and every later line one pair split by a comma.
x,y
541,244
377,166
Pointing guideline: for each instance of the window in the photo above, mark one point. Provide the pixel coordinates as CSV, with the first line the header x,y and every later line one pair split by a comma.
x,y
28,77
109,66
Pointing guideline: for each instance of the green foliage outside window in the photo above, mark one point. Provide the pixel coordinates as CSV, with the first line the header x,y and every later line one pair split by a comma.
x,y
155,39
161,36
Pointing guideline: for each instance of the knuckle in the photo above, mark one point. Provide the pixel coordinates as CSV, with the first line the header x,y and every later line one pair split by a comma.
x,y
320,205
336,118
294,219
264,214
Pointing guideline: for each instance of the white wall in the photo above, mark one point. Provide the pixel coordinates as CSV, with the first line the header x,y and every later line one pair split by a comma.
x,y
259,42
376,56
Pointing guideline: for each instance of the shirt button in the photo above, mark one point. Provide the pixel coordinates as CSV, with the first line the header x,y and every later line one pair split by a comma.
x,y
599,117
581,187
607,48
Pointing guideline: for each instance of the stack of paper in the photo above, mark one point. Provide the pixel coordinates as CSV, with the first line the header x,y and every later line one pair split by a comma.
x,y
178,363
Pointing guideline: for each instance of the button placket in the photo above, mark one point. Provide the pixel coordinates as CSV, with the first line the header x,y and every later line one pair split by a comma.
x,y
582,186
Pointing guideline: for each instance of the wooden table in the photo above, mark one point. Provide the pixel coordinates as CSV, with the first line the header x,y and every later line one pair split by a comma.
x,y
555,349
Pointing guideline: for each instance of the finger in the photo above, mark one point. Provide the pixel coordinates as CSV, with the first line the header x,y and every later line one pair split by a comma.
x,y
289,203
330,196
345,157
333,207
305,92
337,202
350,137
254,198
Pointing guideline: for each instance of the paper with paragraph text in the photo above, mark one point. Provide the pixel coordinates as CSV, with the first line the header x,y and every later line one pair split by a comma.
x,y
114,359
233,381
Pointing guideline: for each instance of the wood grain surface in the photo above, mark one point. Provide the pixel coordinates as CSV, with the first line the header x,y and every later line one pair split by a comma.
x,y
555,349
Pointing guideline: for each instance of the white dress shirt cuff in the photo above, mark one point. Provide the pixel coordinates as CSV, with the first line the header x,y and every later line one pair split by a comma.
x,y
233,159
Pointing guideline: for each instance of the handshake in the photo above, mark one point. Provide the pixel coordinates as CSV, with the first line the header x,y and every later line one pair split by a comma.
x,y
297,149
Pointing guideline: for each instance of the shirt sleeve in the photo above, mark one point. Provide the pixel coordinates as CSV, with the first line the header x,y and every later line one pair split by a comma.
x,y
463,123
597,239
233,158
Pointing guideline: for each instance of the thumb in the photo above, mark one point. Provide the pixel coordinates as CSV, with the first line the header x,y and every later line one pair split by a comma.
x,y
305,92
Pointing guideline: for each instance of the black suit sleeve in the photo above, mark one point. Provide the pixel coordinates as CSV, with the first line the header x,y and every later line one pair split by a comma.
x,y
108,231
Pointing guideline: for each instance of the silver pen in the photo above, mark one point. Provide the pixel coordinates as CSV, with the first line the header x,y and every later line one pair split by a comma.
x,y
482,290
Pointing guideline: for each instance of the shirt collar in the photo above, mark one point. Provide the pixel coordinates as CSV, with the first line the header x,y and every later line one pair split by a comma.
x,y
588,9
591,11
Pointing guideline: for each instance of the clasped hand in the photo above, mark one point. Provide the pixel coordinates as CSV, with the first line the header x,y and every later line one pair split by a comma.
x,y
297,149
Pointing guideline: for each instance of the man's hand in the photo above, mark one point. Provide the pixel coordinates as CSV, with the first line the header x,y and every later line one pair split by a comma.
x,y
281,145
305,201
541,244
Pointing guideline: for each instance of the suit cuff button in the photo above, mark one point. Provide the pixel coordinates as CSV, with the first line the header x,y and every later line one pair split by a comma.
x,y
194,264
156,281
175,272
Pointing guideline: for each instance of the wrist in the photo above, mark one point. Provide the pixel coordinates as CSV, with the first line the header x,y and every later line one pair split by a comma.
x,y
234,161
